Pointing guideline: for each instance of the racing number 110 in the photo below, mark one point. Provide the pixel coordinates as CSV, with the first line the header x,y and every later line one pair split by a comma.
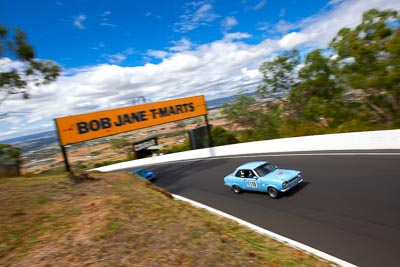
x,y
253,184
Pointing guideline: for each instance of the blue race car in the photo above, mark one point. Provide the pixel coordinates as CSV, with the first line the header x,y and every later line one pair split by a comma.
x,y
143,173
263,177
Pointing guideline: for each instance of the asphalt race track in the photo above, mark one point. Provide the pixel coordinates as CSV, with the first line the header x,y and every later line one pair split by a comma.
x,y
348,205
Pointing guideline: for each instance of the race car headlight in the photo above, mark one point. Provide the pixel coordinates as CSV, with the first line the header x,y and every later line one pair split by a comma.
x,y
284,184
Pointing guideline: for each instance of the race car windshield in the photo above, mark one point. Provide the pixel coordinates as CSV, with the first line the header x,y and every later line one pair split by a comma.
x,y
264,169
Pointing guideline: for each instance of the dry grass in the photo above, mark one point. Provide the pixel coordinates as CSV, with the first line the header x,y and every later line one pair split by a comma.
x,y
121,220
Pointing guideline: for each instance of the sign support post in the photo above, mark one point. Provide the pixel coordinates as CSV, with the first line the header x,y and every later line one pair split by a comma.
x,y
64,152
208,131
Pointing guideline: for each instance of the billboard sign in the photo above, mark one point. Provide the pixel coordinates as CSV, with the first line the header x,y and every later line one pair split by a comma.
x,y
141,148
83,127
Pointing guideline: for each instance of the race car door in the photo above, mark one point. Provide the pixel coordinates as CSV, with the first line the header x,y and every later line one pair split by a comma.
x,y
250,181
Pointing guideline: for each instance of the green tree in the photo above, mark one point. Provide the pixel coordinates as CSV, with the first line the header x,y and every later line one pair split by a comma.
x,y
356,87
261,122
221,137
368,60
177,148
32,72
241,111
8,152
279,74
267,123
317,95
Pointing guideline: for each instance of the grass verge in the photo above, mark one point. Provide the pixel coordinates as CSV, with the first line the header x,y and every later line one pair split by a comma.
x,y
121,220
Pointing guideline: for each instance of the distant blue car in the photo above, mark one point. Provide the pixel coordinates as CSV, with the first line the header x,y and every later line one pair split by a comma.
x,y
143,173
263,177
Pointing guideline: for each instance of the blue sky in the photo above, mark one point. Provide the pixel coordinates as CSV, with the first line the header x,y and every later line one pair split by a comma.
x,y
79,33
113,51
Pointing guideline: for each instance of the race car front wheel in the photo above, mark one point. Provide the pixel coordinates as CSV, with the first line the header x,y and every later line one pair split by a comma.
x,y
273,192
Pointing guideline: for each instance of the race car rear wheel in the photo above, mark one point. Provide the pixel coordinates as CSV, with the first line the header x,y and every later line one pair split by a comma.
x,y
273,192
236,189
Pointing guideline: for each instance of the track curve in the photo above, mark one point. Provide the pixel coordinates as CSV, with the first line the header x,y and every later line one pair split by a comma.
x,y
348,205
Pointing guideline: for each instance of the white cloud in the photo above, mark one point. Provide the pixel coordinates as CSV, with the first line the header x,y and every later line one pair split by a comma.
x,y
283,27
109,25
215,69
228,23
100,45
236,36
260,5
152,15
106,13
294,39
181,45
196,14
319,30
257,6
6,64
282,12
335,2
104,20
157,53
78,21
221,67
120,57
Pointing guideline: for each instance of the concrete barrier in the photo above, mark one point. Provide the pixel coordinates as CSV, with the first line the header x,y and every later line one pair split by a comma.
x,y
388,139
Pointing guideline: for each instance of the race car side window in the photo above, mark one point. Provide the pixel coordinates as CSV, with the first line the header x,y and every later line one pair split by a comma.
x,y
241,174
244,174
251,174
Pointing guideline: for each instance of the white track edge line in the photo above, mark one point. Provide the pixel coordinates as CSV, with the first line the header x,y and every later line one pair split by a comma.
x,y
290,242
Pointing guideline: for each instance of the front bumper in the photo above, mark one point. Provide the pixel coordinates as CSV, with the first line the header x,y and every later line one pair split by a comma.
x,y
292,184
